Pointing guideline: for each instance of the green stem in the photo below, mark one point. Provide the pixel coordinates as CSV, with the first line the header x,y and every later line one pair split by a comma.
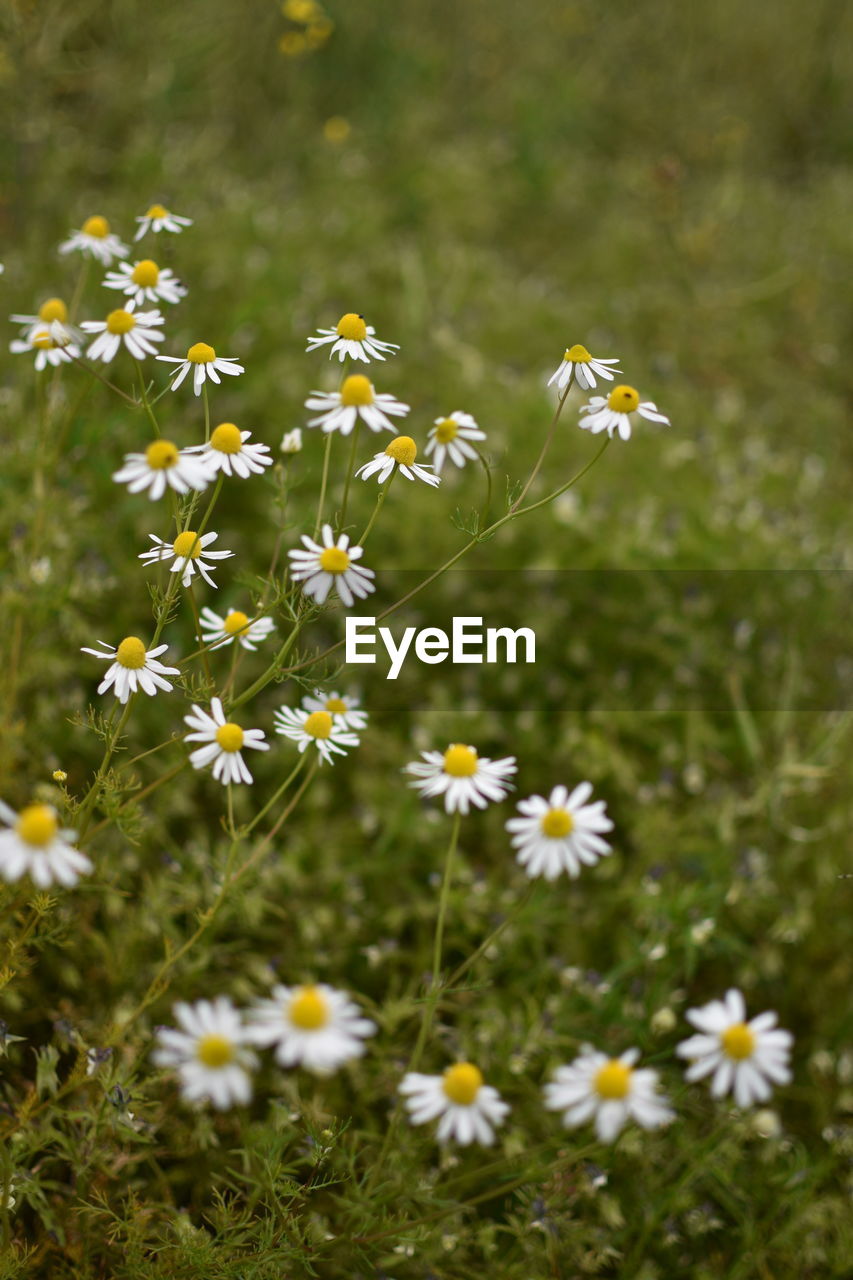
x,y
85,810
204,657
484,509
145,401
349,475
516,911
209,512
278,794
379,501
206,412
323,483
435,983
548,438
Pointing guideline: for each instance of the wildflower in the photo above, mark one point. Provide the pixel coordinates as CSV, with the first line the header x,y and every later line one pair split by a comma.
x,y
356,399
53,315
223,741
134,668
46,347
352,338
227,451
462,777
316,1027
158,219
210,1052
190,552
743,1056
205,363
59,775
578,360
560,833
449,439
33,843
146,282
613,412
218,632
470,1109
95,240
400,453
318,728
609,1090
320,568
344,708
292,441
163,464
138,331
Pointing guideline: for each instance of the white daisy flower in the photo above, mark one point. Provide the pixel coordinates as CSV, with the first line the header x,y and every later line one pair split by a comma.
x,y
223,741
205,363
352,338
218,632
462,777
320,568
146,282
190,552
560,833
613,413
315,728
585,368
449,439
227,451
316,1027
33,844
209,1052
291,441
470,1110
158,219
52,314
163,464
47,350
609,1090
344,708
401,453
356,399
95,240
133,668
746,1058
139,331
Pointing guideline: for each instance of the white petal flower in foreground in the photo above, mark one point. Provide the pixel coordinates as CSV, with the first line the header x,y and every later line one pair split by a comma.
x,y
613,413
462,777
470,1110
190,554
209,1052
47,349
217,631
331,565
95,240
356,399
316,1027
33,843
585,368
205,363
352,338
343,708
163,465
227,451
145,281
449,439
139,331
401,453
315,728
560,833
133,668
609,1090
224,741
53,315
746,1058
158,219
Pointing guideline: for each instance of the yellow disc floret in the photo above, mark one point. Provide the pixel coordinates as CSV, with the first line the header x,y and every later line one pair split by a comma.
x,y
446,430
578,354
53,309
623,400
131,653
42,340
229,736
309,1009
161,455
403,450
334,560
187,544
215,1051
120,321
357,390
201,353
738,1042
96,226
460,761
336,706
613,1080
146,273
37,825
157,211
227,438
235,623
352,327
462,1083
557,823
318,724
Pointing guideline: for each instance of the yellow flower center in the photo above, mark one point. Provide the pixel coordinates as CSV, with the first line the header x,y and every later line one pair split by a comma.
x,y
146,273
462,1083
235,623
201,353
357,390
131,653
214,1051
227,438
188,545
96,226
578,354
460,761
53,309
352,327
37,825
43,341
613,1080
309,1009
557,823
738,1042
319,724
157,211
446,430
161,454
334,560
120,322
337,706
229,736
623,400
403,450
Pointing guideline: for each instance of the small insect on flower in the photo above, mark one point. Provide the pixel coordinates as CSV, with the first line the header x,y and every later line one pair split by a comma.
x,y
344,709
48,350
95,240
291,441
210,1052
315,728
227,451
217,631
53,315
134,668
356,399
332,564
560,833
190,554
470,1109
462,777
745,1057
163,465
223,741
400,453
352,338
613,412
33,843
158,219
609,1090
205,363
449,439
577,360
315,1027
144,281
137,331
